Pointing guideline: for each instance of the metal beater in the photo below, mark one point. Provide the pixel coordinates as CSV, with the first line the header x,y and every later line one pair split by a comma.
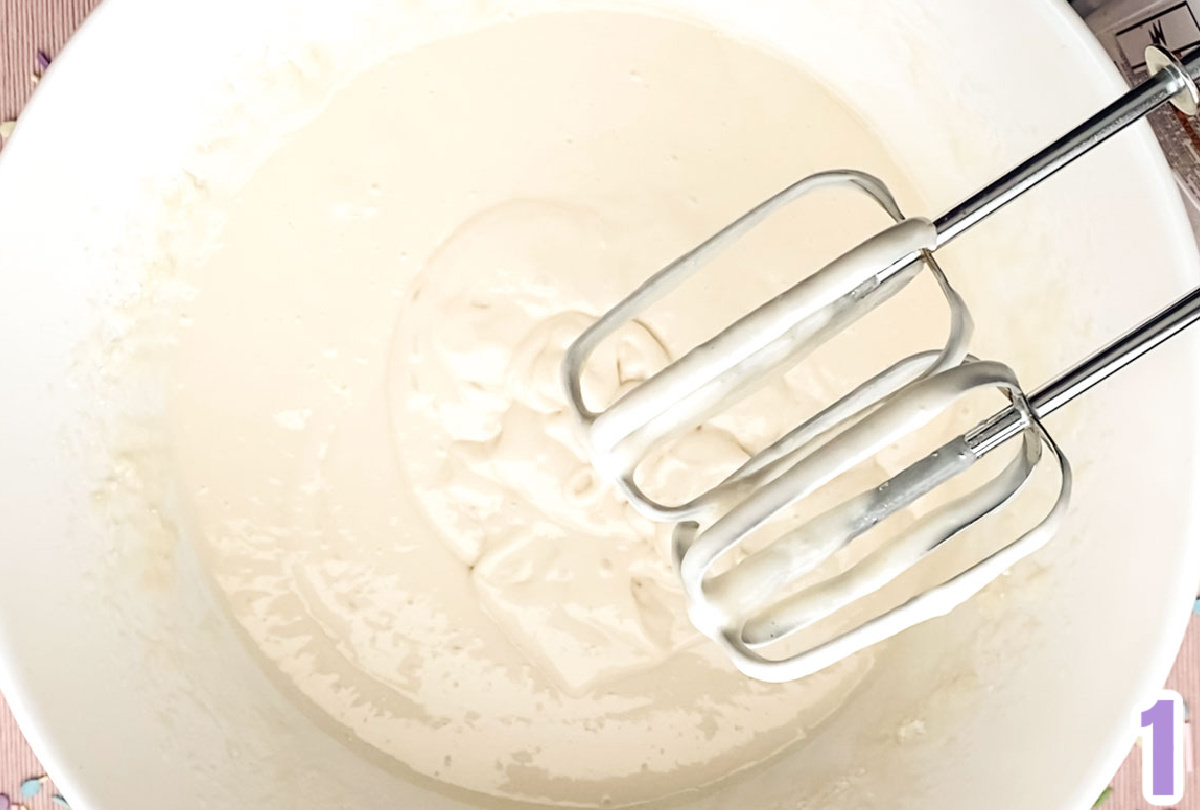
x,y
750,602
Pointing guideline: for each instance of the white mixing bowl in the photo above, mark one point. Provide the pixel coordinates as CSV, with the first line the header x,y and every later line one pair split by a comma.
x,y
138,692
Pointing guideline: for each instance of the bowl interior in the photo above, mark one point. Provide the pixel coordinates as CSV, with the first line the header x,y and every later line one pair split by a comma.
x,y
128,677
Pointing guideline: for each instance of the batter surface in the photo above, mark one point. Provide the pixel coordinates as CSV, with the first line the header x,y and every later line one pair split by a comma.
x,y
369,419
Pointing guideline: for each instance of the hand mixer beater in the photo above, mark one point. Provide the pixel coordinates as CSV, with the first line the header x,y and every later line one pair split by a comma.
x,y
751,602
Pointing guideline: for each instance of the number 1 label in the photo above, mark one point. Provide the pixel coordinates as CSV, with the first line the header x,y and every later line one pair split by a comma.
x,y
1162,750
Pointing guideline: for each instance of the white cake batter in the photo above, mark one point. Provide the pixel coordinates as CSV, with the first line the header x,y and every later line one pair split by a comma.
x,y
369,417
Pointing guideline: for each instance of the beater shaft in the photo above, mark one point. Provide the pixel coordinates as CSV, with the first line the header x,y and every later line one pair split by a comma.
x,y
1155,330
1171,81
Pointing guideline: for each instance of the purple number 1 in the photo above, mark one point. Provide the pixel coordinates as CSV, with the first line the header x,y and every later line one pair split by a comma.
x,y
1162,750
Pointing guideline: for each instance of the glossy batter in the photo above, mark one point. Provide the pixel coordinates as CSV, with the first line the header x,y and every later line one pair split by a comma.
x,y
369,418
